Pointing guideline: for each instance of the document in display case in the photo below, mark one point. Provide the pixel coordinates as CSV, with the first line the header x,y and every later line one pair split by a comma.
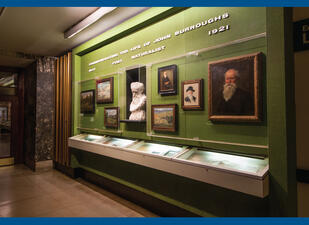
x,y
158,149
119,142
236,163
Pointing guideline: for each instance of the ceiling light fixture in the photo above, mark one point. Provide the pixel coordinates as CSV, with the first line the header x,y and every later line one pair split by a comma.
x,y
2,10
92,18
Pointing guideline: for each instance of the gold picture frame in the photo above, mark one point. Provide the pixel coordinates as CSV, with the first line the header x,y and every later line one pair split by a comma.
x,y
234,88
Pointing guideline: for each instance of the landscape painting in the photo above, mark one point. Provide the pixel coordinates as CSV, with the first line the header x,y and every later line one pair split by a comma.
x,y
87,102
164,117
111,117
105,90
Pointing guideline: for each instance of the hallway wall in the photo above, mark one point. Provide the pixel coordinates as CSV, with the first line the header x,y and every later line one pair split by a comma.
x,y
39,111
44,139
302,119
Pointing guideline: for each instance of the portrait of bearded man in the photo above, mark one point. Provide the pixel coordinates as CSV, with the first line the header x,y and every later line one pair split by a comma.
x,y
233,100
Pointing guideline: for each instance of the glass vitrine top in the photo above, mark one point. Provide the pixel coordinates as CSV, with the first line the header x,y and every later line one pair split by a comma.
x,y
157,149
226,161
119,142
91,137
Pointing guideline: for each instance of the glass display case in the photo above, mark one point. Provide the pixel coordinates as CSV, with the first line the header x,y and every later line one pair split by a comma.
x,y
236,163
236,172
158,149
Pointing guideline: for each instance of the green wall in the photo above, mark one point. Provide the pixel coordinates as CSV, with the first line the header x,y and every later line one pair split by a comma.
x,y
244,22
247,34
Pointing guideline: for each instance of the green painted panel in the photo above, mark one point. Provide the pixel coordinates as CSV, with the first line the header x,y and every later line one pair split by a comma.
x,y
176,45
197,197
276,130
194,125
281,111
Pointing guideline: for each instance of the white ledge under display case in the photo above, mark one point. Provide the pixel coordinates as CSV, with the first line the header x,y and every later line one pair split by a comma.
x,y
239,173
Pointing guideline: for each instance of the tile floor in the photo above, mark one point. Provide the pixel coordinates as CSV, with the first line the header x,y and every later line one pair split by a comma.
x,y
49,193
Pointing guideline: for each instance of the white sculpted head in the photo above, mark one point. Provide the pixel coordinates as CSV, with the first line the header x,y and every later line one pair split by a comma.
x,y
137,88
137,106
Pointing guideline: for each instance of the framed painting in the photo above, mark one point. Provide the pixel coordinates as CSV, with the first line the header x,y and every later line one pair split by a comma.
x,y
105,90
167,80
87,102
3,113
234,88
111,117
192,95
163,117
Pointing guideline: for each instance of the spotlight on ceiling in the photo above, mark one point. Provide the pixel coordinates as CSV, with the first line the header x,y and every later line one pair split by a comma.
x,y
92,18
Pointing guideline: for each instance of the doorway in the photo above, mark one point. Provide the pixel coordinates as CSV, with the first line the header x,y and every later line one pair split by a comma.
x,y
5,129
11,130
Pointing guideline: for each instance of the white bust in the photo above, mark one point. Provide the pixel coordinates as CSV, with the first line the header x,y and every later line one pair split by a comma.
x,y
137,107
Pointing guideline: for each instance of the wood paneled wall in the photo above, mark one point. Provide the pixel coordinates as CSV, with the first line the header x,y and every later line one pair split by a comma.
x,y
63,87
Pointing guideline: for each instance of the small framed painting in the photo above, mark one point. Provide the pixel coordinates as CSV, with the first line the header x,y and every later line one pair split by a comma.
x,y
87,102
192,94
111,117
167,80
105,90
163,117
3,113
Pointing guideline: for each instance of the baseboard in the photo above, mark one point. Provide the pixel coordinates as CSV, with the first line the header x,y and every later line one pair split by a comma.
x,y
7,161
71,172
153,204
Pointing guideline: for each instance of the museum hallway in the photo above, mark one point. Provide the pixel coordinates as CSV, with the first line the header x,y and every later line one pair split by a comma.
x,y
49,193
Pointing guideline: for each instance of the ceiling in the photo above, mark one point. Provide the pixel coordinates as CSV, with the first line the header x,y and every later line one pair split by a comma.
x,y
28,32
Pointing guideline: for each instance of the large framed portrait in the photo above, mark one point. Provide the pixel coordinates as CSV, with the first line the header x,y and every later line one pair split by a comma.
x,y
234,88
167,80
192,94
163,117
111,117
87,102
105,90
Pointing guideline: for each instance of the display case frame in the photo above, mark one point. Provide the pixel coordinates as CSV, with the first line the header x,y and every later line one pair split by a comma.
x,y
246,182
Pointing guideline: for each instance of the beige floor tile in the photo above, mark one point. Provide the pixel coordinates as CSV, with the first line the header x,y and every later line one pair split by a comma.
x,y
49,193
64,212
30,207
13,194
17,170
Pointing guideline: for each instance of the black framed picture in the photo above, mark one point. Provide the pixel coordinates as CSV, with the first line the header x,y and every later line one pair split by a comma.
x,y
234,88
167,80
87,102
